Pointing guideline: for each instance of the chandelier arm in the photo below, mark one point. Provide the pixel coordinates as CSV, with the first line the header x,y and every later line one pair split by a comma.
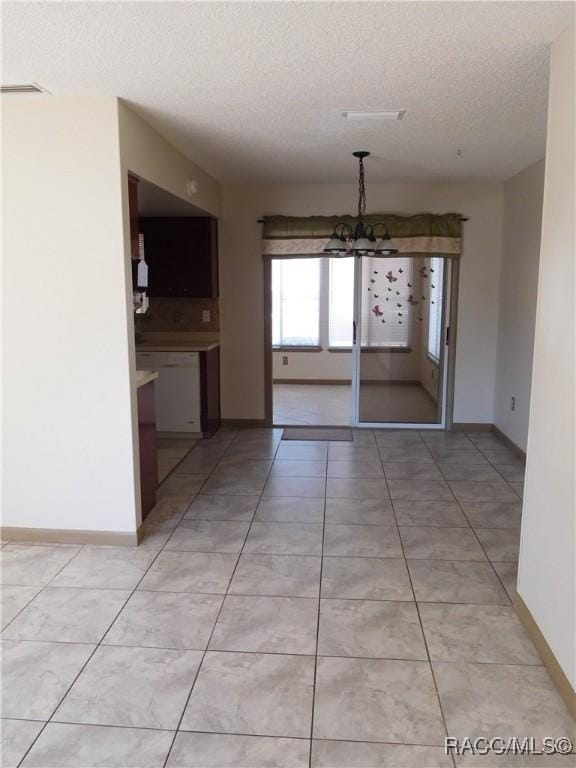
x,y
343,230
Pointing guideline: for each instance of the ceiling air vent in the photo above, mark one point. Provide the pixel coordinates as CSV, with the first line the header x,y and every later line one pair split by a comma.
x,y
374,114
25,88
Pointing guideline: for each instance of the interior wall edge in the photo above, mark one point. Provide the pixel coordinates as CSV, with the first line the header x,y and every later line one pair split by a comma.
x,y
521,235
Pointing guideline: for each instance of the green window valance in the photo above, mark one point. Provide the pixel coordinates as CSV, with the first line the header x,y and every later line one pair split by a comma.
x,y
421,235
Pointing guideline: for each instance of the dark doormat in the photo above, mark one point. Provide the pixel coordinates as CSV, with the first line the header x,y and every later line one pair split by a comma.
x,y
317,433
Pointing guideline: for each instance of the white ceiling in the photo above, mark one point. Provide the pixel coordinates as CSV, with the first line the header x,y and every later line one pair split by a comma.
x,y
253,91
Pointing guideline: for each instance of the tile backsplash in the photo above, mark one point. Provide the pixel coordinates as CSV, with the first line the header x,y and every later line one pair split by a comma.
x,y
180,315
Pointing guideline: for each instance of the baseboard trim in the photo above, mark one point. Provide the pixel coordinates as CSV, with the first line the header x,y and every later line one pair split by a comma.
x,y
180,435
399,382
68,536
312,381
472,426
546,654
243,423
510,444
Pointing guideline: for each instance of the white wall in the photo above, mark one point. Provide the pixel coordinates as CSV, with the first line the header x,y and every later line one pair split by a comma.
x,y
326,365
146,154
68,437
546,579
149,156
70,411
241,280
517,306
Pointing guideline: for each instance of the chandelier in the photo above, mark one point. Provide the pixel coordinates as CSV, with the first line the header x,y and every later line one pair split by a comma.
x,y
364,239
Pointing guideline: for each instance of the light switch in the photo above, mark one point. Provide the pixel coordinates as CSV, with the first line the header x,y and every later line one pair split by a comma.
x,y
205,315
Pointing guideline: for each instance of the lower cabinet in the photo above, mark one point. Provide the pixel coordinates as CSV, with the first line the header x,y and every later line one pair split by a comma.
x,y
210,391
187,390
147,444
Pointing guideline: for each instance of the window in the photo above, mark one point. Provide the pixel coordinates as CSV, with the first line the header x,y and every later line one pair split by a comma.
x,y
435,308
341,302
389,325
296,302
386,315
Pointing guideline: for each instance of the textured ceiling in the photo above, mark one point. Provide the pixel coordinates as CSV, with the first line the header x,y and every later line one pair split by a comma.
x,y
253,92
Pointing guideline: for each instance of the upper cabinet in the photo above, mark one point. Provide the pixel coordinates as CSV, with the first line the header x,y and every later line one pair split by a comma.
x,y
182,256
133,204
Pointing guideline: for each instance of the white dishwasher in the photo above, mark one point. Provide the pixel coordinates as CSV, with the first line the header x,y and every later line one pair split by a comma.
x,y
177,389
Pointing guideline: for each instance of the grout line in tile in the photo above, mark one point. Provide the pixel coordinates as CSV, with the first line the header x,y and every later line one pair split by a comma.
x,y
483,549
90,657
318,625
216,620
162,548
425,640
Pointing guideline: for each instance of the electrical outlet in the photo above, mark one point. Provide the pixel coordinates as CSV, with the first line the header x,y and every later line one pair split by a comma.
x,y
285,360
513,404
205,315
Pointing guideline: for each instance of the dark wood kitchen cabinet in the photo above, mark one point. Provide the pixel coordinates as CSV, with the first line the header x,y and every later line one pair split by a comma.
x,y
133,207
182,256
147,446
210,391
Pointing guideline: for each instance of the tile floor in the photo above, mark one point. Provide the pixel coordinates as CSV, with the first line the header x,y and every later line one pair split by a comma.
x,y
170,452
311,404
291,604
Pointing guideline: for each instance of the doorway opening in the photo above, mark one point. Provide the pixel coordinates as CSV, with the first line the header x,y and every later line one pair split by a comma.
x,y
359,341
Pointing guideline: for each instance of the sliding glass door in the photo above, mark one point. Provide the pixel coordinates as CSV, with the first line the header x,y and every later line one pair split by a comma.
x,y
400,351
360,340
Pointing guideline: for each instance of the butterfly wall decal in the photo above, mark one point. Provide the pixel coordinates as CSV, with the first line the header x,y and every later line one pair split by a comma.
x,y
377,311
390,277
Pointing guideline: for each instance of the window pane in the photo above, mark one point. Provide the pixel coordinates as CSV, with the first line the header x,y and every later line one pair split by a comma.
x,y
387,288
295,302
341,303
435,308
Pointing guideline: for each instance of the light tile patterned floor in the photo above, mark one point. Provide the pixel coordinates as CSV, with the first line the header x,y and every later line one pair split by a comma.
x,y
292,604
304,404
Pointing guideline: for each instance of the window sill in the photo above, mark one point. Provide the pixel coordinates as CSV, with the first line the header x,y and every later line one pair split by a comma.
x,y
298,349
401,350
435,362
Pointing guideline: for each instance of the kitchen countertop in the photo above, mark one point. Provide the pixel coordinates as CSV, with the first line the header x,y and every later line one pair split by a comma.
x,y
145,377
178,342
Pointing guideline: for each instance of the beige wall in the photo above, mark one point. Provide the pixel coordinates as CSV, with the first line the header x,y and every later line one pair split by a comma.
x,y
149,156
546,578
241,280
70,429
517,311
68,402
398,366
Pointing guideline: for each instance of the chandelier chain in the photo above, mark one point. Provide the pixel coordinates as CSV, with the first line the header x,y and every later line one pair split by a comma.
x,y
361,190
